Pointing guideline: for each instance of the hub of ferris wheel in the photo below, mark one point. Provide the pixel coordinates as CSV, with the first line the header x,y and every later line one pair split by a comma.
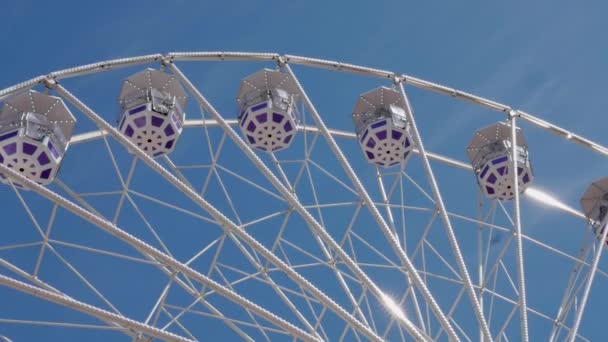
x,y
490,153
35,130
267,117
152,117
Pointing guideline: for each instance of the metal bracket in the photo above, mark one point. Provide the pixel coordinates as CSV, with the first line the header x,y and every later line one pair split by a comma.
x,y
397,79
281,61
166,60
50,82
513,113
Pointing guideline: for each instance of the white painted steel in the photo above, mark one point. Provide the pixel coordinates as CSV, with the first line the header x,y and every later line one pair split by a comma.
x,y
233,230
386,230
225,223
600,246
468,283
290,198
154,253
90,310
521,275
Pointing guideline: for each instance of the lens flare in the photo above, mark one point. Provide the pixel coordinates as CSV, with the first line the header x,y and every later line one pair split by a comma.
x,y
393,307
546,199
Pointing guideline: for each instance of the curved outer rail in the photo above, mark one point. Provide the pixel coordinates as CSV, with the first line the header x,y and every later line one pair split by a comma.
x,y
217,56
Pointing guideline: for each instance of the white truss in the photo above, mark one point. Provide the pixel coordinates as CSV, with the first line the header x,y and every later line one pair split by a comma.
x,y
355,295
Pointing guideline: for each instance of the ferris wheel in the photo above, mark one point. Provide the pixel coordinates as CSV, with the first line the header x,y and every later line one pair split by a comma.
x,y
256,196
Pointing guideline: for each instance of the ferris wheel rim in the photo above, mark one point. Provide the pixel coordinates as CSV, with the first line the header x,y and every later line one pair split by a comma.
x,y
221,56
226,56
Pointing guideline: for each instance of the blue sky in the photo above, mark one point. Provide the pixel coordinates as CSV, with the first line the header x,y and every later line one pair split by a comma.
x,y
546,58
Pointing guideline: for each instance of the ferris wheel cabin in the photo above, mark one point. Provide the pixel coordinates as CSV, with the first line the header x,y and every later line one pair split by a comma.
x,y
381,126
35,129
152,115
267,110
490,154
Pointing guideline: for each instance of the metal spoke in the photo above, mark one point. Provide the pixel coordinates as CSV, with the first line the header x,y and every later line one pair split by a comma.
x,y
155,253
394,243
569,293
59,324
89,309
318,229
523,306
446,220
339,269
225,222
253,259
596,259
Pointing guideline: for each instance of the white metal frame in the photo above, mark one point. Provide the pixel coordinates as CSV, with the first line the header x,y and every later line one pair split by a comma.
x,y
356,320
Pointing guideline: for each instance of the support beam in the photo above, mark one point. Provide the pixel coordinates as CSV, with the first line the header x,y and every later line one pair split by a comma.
x,y
331,65
521,275
225,223
90,310
572,289
384,227
317,228
253,261
601,244
220,56
468,284
223,56
187,287
154,253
